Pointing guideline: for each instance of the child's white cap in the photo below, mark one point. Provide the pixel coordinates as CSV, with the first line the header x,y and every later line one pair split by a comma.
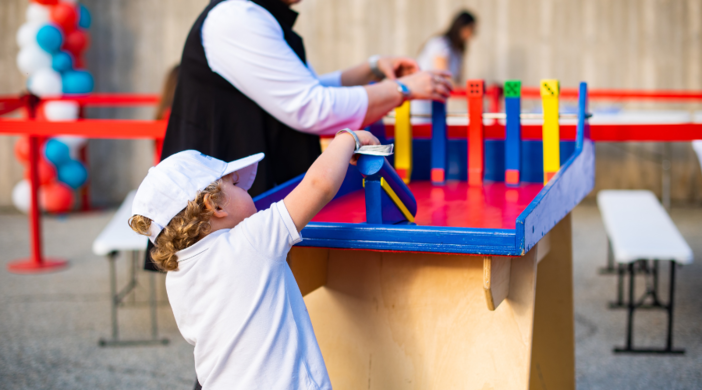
x,y
170,185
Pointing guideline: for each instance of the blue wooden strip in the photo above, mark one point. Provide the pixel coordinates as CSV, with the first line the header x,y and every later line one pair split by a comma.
x,y
439,137
572,183
583,124
412,247
357,235
513,133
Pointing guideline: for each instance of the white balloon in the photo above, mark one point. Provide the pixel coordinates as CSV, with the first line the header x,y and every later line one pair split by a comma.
x,y
45,82
61,110
74,144
38,13
32,58
21,196
27,34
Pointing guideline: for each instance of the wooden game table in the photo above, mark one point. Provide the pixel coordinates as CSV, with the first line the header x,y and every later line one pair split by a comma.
x,y
477,295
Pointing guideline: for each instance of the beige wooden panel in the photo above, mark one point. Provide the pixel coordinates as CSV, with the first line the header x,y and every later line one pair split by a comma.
x,y
419,321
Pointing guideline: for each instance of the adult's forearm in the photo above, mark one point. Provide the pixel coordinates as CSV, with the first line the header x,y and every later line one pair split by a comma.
x,y
357,75
382,97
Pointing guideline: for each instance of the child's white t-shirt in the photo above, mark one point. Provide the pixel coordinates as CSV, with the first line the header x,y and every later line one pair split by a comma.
x,y
235,299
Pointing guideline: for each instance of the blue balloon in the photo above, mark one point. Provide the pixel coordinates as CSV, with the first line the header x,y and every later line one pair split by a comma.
x,y
62,62
72,173
77,81
57,152
49,38
84,18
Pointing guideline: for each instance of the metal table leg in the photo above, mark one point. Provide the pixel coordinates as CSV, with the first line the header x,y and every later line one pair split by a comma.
x,y
116,299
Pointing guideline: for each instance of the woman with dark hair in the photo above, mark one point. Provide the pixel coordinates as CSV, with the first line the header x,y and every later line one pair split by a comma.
x,y
445,52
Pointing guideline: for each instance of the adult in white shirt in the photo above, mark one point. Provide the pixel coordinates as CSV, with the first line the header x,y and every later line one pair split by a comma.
x,y
245,87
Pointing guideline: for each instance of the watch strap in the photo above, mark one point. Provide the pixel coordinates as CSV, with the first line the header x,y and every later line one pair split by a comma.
x,y
404,90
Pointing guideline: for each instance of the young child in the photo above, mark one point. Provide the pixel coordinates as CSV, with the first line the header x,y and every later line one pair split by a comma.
x,y
231,290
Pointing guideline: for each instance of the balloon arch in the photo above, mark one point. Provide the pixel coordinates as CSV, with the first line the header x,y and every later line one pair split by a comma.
x,y
52,43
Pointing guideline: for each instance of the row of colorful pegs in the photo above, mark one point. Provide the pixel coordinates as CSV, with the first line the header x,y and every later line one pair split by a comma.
x,y
475,92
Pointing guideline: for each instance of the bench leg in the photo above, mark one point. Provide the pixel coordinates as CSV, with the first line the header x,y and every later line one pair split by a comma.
x,y
633,305
609,269
116,299
619,303
671,301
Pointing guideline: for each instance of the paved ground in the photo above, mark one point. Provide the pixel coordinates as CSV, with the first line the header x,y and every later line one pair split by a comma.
x,y
50,324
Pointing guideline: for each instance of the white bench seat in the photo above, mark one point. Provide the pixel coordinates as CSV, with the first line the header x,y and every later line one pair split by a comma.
x,y
639,228
641,231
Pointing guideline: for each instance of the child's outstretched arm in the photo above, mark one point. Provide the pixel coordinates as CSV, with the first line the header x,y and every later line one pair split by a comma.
x,y
323,179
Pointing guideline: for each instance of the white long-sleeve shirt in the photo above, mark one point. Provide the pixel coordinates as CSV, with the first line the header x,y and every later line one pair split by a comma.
x,y
244,44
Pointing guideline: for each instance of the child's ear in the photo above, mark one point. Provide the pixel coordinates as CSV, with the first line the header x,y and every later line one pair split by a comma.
x,y
217,211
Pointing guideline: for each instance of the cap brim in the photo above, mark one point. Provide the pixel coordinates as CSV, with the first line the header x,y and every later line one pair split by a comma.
x,y
246,167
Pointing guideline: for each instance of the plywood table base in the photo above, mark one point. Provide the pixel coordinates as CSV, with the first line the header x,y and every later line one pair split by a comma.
x,y
397,320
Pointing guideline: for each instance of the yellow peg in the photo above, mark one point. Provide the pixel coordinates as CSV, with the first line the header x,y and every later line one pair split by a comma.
x,y
550,90
403,142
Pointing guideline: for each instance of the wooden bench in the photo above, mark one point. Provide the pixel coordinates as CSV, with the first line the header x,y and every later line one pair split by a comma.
x,y
117,237
641,234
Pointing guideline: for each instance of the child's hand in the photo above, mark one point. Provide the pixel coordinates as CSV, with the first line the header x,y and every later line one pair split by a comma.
x,y
366,138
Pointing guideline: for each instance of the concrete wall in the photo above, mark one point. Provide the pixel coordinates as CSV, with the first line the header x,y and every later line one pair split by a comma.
x,y
609,43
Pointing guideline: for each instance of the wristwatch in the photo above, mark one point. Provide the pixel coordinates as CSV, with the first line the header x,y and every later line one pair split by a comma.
x,y
402,88
355,137
373,63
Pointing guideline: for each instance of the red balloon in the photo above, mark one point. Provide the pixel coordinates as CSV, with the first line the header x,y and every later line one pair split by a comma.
x,y
76,42
79,63
22,150
64,15
46,2
55,197
47,172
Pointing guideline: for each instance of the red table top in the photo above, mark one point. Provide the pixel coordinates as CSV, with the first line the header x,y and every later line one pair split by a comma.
x,y
492,206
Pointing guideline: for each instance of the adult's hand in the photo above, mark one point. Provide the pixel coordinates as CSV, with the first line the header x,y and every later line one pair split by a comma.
x,y
430,85
396,67
384,96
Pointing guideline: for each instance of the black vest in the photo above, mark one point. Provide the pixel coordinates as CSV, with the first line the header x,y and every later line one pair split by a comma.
x,y
212,116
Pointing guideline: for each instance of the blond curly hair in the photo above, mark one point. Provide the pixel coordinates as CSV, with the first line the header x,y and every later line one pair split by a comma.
x,y
184,230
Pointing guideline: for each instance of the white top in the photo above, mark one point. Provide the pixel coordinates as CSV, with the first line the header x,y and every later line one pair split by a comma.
x,y
117,235
244,44
440,47
235,299
640,229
